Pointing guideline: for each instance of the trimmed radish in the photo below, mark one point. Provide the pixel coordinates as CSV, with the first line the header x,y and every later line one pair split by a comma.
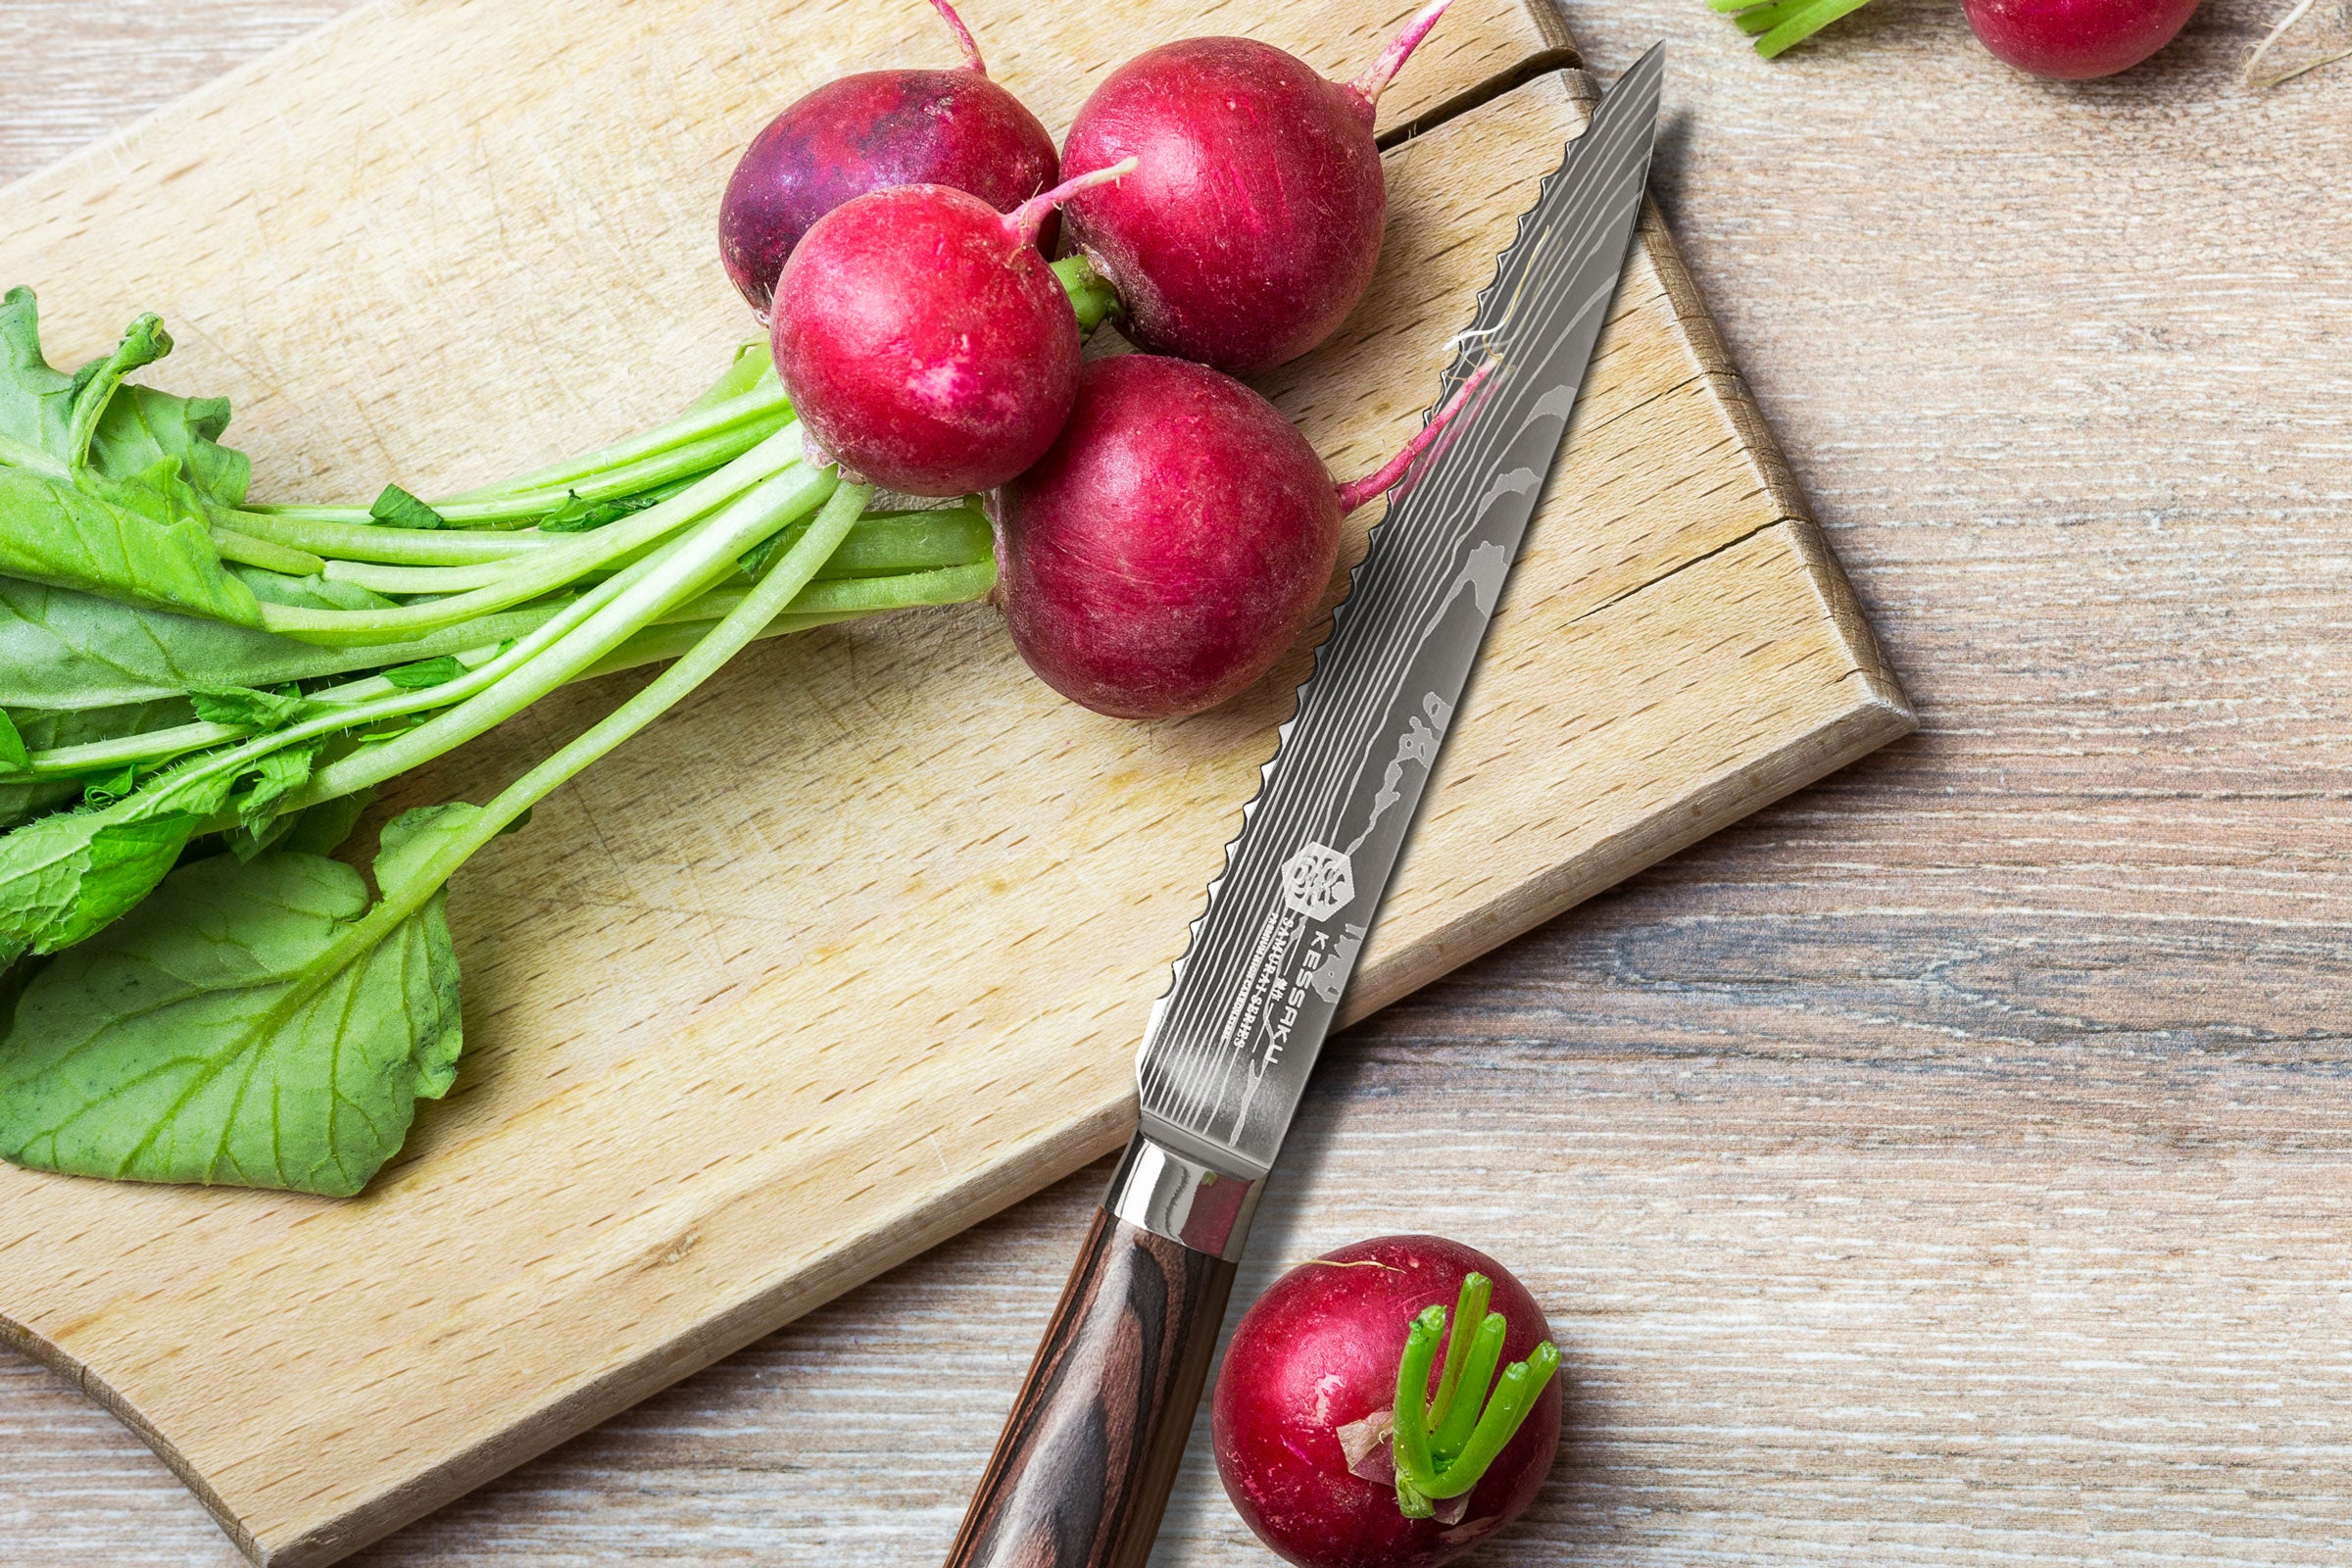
x,y
1174,540
1346,1441
923,341
871,131
2072,40
1256,225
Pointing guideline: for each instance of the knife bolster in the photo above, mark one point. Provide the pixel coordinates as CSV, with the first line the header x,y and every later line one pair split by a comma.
x,y
1187,1200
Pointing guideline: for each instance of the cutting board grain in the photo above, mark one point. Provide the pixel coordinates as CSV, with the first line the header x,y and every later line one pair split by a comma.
x,y
855,947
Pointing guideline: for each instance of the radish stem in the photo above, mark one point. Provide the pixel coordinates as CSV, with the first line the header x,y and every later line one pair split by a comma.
x,y
1474,1424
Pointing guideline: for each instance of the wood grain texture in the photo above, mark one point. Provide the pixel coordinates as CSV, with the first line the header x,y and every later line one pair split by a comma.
x,y
884,940
1081,1474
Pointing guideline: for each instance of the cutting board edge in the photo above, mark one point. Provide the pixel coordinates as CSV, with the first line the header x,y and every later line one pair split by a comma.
x,y
1876,716
16,1337
987,1191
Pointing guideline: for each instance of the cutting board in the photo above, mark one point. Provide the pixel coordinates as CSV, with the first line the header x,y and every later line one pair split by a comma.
x,y
853,949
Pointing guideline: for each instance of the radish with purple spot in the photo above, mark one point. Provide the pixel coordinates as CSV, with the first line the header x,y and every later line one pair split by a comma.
x,y
925,344
871,131
1357,1425
1255,224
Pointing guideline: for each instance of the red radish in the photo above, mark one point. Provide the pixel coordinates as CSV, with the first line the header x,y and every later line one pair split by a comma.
x,y
925,344
871,131
2072,41
1256,225
1306,1416
1174,540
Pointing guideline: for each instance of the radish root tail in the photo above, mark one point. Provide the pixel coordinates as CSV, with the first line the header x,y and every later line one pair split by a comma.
x,y
2254,77
1355,492
1376,76
963,37
1024,220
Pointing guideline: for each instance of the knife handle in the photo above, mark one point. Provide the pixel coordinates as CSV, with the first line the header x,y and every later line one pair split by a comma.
x,y
1083,1469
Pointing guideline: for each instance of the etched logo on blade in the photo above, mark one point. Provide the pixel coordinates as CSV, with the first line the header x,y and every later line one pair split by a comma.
x,y
1318,882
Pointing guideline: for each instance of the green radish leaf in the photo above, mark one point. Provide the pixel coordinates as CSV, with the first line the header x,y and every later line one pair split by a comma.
x,y
324,828
251,708
132,430
67,876
279,775
62,651
64,878
107,789
246,842
142,425
397,508
132,543
576,515
246,706
37,402
229,1032
13,756
569,518
308,593
425,672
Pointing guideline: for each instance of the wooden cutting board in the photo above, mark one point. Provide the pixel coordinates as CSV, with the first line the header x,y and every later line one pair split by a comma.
x,y
855,947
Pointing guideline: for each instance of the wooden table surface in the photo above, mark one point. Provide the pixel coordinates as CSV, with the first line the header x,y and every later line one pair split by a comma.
x,y
1950,1165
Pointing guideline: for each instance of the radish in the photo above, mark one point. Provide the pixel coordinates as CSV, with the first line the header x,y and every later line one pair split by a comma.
x,y
1345,1442
2072,41
1174,540
1256,225
871,131
924,342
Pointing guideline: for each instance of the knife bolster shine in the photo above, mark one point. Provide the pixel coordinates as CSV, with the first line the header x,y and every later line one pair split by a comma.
x,y
1170,1193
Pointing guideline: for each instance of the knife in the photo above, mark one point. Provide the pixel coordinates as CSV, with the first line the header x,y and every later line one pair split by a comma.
x,y
1082,1472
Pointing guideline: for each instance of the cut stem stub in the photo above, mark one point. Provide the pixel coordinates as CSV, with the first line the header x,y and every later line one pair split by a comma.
x,y
1443,1446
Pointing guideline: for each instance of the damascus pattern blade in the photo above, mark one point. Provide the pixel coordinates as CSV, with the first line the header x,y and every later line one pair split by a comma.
x,y
1231,1044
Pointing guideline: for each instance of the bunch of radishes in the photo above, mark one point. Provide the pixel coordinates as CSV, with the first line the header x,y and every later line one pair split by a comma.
x,y
1163,533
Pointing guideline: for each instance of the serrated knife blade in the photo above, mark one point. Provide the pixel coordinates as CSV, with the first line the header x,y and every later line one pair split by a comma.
x,y
1082,1472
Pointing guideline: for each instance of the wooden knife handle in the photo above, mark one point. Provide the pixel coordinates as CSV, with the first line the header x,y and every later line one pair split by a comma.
x,y
1083,1470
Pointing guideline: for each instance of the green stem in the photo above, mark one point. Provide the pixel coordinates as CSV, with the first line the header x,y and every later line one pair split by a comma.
x,y
410,547
1478,1376
1410,1417
656,585
1430,1470
263,552
892,544
791,573
764,405
1090,295
857,595
692,444
548,569
888,544
1521,1384
1469,1307
371,699
1804,25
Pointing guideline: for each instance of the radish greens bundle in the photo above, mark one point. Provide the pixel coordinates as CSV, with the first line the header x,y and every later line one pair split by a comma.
x,y
199,693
